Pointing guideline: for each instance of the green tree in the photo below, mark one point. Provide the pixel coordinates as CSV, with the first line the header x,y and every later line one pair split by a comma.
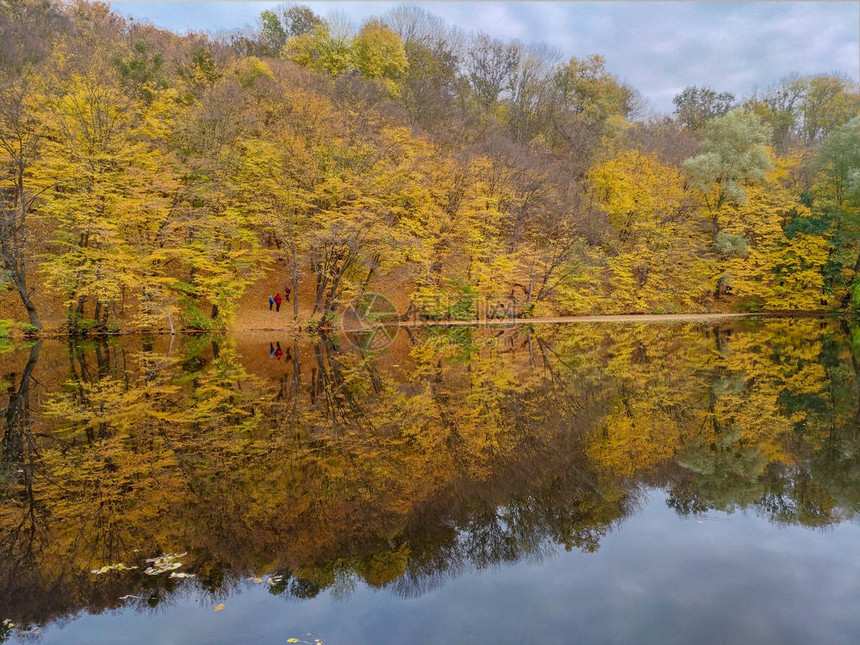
x,y
838,191
733,152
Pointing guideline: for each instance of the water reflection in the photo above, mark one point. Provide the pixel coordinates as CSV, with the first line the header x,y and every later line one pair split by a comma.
x,y
454,449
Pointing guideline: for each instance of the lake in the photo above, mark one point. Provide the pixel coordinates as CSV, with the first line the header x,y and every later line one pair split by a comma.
x,y
569,483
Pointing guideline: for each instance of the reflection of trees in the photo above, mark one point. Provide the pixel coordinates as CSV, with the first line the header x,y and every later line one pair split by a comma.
x,y
18,462
24,517
338,384
836,465
491,447
783,432
544,499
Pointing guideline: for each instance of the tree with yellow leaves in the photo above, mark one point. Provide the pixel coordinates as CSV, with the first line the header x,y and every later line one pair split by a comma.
x,y
655,252
102,174
763,264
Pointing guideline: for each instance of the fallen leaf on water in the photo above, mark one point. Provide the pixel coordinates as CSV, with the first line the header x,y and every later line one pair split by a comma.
x,y
119,566
161,567
292,640
163,563
219,607
179,574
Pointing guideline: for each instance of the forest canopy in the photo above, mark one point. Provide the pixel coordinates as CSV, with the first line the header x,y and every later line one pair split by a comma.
x,y
148,179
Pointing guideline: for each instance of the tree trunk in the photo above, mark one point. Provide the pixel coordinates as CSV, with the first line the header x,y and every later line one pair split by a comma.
x,y
26,299
14,247
294,277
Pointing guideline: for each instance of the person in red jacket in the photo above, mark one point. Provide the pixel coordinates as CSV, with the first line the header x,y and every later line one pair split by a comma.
x,y
278,301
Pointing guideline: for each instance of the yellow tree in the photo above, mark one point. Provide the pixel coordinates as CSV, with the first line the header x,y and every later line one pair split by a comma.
x,y
100,168
764,265
655,252
319,49
216,249
20,131
379,54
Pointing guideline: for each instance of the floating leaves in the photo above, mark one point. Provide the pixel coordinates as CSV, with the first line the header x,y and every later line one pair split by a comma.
x,y
119,566
179,574
315,641
219,608
8,624
164,563
270,580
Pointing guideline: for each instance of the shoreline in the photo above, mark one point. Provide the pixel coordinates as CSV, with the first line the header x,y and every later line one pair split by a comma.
x,y
54,334
604,318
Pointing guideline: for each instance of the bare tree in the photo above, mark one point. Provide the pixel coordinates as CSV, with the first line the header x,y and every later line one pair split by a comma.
x,y
491,65
26,31
19,135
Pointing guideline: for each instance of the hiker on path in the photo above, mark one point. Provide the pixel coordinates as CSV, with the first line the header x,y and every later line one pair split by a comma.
x,y
279,352
271,302
287,292
278,301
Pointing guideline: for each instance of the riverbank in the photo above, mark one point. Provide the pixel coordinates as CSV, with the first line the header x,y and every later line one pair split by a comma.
x,y
611,318
297,327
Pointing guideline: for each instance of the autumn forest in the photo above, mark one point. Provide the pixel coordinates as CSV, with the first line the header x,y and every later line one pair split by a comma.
x,y
318,331
152,181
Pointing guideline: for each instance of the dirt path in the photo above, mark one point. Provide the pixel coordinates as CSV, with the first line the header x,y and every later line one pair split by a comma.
x,y
588,319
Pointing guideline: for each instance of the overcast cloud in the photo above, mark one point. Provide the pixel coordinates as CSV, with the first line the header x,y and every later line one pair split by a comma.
x,y
657,47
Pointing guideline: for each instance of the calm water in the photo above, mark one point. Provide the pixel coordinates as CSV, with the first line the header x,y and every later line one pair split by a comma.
x,y
665,483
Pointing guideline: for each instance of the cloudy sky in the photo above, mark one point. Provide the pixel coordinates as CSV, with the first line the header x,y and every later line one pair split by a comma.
x,y
657,47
